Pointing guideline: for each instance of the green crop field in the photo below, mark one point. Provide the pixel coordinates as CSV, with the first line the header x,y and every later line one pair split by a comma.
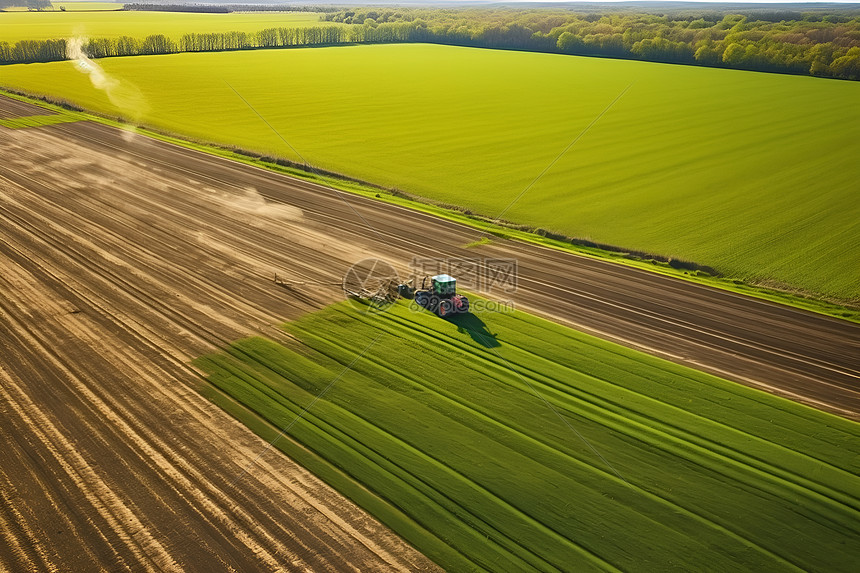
x,y
505,442
15,26
754,174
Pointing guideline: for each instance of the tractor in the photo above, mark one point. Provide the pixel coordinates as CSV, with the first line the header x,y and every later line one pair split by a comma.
x,y
441,298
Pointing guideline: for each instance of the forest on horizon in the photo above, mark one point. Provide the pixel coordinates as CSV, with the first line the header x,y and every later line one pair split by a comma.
x,y
824,43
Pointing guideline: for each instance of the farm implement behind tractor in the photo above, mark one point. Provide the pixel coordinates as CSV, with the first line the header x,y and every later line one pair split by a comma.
x,y
381,287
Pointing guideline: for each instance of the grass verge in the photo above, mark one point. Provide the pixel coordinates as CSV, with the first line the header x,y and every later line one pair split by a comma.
x,y
39,120
507,442
792,297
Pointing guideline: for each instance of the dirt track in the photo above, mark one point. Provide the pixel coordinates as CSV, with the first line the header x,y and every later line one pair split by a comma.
x,y
124,258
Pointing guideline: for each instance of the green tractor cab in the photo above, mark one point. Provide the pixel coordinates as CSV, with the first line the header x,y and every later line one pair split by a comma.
x,y
441,298
444,285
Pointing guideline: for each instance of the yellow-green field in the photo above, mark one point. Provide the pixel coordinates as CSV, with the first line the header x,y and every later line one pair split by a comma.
x,y
15,26
754,174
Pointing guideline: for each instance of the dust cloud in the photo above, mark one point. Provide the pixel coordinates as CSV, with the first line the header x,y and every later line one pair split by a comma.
x,y
125,96
252,203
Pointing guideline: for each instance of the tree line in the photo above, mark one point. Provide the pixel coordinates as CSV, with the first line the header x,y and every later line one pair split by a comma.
x,y
193,8
827,46
33,51
30,51
821,43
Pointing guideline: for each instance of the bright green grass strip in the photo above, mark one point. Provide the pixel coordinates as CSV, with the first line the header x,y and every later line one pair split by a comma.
x,y
754,174
478,243
15,26
39,120
446,429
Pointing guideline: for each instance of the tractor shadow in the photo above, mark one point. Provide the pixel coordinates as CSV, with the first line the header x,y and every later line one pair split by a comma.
x,y
476,328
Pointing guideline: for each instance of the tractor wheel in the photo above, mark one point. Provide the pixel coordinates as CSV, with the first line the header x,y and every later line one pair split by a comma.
x,y
433,304
446,307
464,305
422,299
